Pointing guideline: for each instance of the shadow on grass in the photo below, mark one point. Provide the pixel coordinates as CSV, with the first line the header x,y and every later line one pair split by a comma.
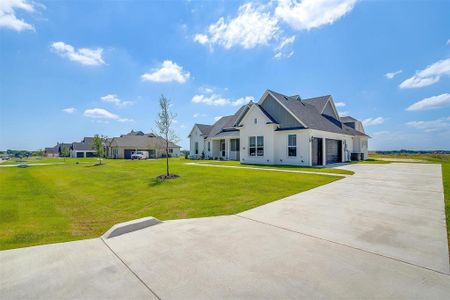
x,y
161,179
95,165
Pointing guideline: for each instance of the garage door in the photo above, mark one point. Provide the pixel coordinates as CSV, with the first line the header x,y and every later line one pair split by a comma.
x,y
334,151
80,154
127,153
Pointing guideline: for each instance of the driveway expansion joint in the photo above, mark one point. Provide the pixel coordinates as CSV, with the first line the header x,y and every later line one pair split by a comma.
x,y
344,245
132,272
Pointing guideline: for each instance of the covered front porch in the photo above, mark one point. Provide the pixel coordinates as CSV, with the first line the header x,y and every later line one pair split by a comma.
x,y
226,148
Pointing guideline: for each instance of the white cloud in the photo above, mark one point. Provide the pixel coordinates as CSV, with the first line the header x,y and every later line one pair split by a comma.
x,y
214,99
168,72
253,26
242,101
84,56
391,75
339,104
218,100
103,114
428,76
283,50
217,118
431,126
8,18
201,38
448,42
373,121
343,113
259,24
69,110
309,14
112,98
431,103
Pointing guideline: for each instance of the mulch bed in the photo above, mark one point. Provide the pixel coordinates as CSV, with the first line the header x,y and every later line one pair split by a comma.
x,y
164,176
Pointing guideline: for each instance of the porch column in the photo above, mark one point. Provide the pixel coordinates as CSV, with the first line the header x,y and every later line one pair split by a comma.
x,y
310,150
324,151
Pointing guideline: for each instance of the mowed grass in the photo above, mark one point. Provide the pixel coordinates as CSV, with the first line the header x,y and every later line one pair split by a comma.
x,y
286,167
444,160
58,203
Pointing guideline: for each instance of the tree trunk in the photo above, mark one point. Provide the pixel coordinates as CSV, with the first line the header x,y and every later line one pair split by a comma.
x,y
167,157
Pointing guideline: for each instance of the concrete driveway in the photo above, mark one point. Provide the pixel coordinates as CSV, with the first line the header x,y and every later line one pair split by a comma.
x,y
377,234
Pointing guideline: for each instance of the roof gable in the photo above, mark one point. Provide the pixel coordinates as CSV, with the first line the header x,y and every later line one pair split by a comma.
x,y
330,109
310,113
277,106
203,128
268,118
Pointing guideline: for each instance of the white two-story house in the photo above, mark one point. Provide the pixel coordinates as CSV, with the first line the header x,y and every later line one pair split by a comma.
x,y
282,129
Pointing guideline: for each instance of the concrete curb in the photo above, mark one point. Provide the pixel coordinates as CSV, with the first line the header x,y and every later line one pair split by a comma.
x,y
130,226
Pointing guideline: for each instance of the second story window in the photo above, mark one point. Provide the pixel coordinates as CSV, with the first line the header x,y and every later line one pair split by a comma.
x,y
255,121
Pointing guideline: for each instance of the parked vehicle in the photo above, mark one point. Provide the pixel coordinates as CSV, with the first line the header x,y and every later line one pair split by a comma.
x,y
139,155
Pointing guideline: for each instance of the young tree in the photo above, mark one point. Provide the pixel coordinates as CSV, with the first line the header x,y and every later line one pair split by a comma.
x,y
164,125
65,152
99,146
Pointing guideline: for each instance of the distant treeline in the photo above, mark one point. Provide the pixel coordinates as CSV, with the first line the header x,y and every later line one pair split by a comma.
x,y
403,151
20,153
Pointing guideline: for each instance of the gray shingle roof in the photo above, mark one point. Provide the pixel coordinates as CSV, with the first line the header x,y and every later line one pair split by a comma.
x,y
309,112
347,119
204,129
146,141
227,123
85,145
51,149
318,102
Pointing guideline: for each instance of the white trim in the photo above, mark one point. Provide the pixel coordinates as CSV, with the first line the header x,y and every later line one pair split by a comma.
x,y
264,97
193,127
333,107
251,107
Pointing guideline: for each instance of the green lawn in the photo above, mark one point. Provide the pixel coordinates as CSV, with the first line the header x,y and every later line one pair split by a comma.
x,y
70,201
444,160
32,160
288,167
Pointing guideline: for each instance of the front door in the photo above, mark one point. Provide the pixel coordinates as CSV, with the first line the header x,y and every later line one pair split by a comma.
x,y
317,151
222,148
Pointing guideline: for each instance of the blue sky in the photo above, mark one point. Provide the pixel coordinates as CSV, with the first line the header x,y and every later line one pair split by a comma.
x,y
78,68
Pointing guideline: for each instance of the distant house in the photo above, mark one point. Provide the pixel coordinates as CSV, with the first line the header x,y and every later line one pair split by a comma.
x,y
56,151
126,144
51,151
85,148
282,129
